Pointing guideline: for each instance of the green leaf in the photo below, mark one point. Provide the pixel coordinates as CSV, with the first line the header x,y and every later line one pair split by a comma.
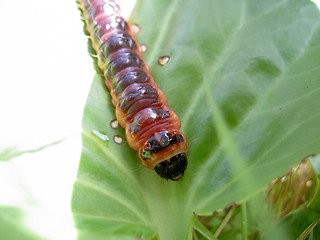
x,y
303,223
13,226
244,77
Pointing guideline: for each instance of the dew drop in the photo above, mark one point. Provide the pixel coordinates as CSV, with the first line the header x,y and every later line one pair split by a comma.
x,y
114,123
163,60
135,28
143,48
100,135
309,183
117,139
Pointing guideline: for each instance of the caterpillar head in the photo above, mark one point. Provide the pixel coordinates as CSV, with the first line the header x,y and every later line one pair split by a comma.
x,y
172,168
165,152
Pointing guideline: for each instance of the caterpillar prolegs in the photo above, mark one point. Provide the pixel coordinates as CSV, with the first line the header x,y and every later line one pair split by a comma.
x,y
151,127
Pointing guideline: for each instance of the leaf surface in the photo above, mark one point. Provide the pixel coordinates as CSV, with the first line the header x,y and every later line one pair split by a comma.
x,y
244,77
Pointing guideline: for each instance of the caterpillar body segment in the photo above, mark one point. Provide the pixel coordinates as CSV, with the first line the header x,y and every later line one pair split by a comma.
x,y
152,128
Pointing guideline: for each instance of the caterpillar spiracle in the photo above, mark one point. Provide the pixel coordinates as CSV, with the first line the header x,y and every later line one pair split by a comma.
x,y
151,127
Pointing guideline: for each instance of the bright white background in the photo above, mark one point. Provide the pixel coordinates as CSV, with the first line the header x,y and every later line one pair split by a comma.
x,y
45,76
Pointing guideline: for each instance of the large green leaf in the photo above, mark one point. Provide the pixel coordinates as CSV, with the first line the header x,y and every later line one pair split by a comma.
x,y
244,77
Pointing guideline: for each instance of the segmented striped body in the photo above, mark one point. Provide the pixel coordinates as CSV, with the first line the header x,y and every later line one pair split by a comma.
x,y
152,128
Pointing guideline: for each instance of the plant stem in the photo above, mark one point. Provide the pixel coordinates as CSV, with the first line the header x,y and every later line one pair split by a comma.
x,y
244,221
198,226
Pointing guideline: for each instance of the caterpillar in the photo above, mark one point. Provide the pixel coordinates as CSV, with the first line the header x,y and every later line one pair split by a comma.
x,y
151,127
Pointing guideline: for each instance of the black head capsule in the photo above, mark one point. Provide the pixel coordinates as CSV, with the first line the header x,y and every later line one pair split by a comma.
x,y
172,168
